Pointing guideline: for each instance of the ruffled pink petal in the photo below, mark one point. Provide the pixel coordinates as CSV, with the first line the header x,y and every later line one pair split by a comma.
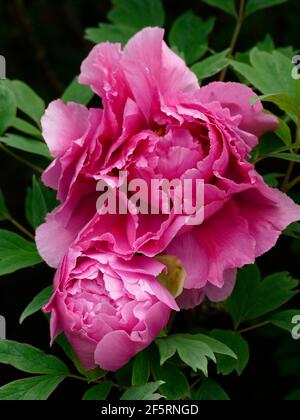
x,y
162,294
176,77
190,298
153,71
112,233
236,97
102,71
53,240
63,124
55,236
84,347
219,294
114,351
156,319
222,242
193,258
268,212
52,175
82,344
139,265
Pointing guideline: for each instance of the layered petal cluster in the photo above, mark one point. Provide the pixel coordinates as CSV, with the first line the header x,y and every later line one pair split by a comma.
x,y
108,308
156,123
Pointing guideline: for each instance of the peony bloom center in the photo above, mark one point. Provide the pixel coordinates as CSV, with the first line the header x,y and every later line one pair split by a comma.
x,y
102,301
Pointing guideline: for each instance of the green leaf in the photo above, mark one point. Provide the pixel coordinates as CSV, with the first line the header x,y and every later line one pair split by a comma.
x,y
40,200
284,319
26,144
109,32
26,128
98,392
36,206
30,359
8,108
37,388
192,43
285,102
272,179
267,44
143,392
194,350
227,6
210,391
137,14
238,303
28,101
242,57
92,375
284,132
293,230
292,157
253,298
62,341
50,197
255,5
37,303
270,144
211,65
16,253
141,369
128,17
239,345
216,346
287,51
4,212
123,376
78,93
176,385
263,66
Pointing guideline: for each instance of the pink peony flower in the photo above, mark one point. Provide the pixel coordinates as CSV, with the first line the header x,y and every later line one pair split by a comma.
x,y
158,123
109,309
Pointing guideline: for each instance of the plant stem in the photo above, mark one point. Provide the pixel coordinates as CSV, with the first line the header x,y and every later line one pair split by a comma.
x,y
79,378
285,149
235,37
287,177
171,321
254,327
22,160
292,184
196,382
286,185
21,228
82,378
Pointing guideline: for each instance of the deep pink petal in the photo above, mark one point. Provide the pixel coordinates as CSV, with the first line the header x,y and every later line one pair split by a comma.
x,y
190,298
153,71
53,241
236,97
63,124
102,70
219,294
268,212
222,242
115,350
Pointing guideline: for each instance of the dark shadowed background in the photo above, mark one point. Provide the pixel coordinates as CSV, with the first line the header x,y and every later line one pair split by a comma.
x,y
43,42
